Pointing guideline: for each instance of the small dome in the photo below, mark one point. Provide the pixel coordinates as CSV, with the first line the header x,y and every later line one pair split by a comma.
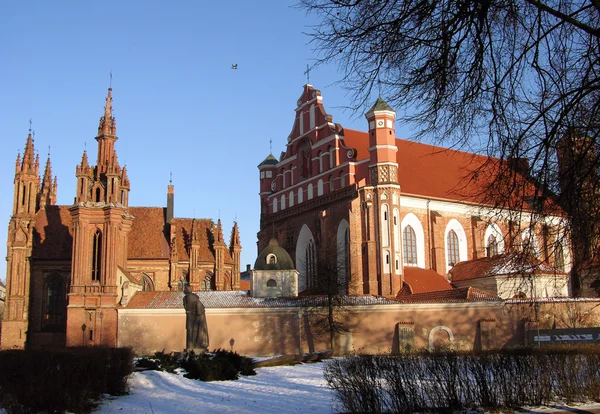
x,y
270,160
274,257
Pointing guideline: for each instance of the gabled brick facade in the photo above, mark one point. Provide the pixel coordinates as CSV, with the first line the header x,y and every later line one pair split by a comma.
x,y
388,204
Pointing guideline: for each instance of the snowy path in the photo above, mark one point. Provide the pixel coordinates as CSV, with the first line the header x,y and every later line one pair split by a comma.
x,y
285,389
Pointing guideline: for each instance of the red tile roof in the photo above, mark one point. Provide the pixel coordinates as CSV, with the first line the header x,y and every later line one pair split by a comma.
x,y
466,294
52,237
420,280
450,173
147,239
184,238
502,264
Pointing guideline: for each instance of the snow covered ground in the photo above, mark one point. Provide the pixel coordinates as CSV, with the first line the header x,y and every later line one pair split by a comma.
x,y
278,390
285,389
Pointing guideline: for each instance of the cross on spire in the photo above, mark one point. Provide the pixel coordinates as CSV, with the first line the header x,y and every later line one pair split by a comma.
x,y
307,73
271,146
110,83
48,151
30,122
171,177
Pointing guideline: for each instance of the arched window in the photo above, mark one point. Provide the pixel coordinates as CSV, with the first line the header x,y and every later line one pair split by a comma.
x,y
300,195
271,259
283,201
331,156
320,188
97,256
342,180
409,246
55,306
98,198
309,192
386,263
453,248
291,196
385,225
331,185
559,257
271,283
312,116
301,121
343,255
311,264
306,259
275,205
147,283
493,240
492,246
206,283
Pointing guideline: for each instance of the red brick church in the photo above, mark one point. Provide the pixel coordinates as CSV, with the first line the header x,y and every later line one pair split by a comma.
x,y
400,214
71,266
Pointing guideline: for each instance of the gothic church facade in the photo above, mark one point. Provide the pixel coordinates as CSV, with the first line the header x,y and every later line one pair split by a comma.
x,y
70,267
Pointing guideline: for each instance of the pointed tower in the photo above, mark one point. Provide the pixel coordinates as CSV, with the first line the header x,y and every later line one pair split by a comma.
x,y
101,223
235,248
19,248
384,248
220,249
48,190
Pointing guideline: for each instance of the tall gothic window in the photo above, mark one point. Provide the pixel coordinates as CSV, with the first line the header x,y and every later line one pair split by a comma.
x,y
55,306
492,246
311,264
409,246
453,249
97,256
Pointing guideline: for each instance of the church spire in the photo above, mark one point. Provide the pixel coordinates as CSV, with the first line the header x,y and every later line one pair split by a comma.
x,y
48,190
28,163
107,130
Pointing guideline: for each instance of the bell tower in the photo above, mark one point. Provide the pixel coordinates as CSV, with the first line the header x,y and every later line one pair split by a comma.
x,y
19,248
101,223
382,201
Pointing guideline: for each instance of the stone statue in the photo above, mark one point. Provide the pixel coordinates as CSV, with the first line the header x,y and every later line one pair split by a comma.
x,y
195,322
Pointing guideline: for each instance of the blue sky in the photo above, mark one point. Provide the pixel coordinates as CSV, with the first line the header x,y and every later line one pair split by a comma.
x,y
179,106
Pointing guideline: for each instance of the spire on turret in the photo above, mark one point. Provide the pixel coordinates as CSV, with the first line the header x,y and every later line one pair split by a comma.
x,y
107,121
107,130
18,163
235,236
219,235
28,162
84,160
48,186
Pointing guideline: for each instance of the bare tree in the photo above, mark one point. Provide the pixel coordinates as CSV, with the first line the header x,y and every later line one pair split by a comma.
x,y
328,280
510,79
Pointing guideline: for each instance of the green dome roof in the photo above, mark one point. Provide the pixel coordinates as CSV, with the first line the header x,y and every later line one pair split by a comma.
x,y
270,160
274,257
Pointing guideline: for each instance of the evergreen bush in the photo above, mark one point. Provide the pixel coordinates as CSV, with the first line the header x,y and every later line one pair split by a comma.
x,y
71,379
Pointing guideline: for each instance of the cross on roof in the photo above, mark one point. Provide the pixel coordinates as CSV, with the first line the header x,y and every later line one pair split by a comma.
x,y
307,73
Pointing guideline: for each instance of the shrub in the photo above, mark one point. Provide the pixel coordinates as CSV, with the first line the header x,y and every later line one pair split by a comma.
x,y
422,381
72,379
221,365
159,362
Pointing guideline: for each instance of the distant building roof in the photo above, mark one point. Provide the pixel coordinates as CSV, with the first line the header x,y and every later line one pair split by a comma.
x,y
466,294
502,264
242,299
